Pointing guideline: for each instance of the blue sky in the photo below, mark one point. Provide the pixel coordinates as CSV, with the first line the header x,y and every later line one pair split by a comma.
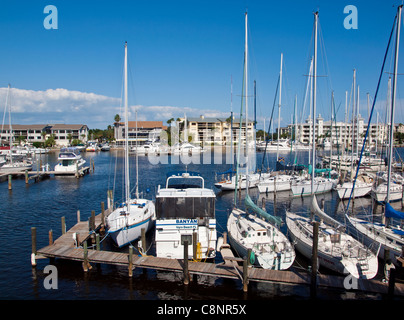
x,y
182,56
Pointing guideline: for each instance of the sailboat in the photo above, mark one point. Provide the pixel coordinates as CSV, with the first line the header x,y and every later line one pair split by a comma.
x,y
18,164
337,250
126,222
384,233
270,248
315,185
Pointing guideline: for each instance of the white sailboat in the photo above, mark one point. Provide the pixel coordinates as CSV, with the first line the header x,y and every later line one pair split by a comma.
x,y
337,250
385,233
270,248
363,186
126,222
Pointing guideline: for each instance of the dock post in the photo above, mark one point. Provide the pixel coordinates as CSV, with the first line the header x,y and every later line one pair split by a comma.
x,y
26,177
50,237
143,237
186,273
86,264
33,242
263,203
130,256
102,213
92,220
78,216
10,187
225,237
63,225
314,262
194,245
392,282
97,242
245,274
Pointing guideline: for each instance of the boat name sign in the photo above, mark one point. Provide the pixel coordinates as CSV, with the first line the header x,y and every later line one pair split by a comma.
x,y
186,223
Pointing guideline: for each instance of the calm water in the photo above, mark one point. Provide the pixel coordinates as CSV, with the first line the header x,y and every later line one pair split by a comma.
x,y
42,205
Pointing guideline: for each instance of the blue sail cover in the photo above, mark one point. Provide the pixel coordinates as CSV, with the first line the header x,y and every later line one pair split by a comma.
x,y
392,213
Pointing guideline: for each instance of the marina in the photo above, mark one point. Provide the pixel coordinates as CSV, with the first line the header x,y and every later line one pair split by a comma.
x,y
112,264
210,207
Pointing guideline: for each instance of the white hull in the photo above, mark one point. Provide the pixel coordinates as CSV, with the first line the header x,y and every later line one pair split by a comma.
x,y
271,248
376,234
17,166
125,228
169,233
337,251
278,183
303,187
361,190
379,193
73,167
230,184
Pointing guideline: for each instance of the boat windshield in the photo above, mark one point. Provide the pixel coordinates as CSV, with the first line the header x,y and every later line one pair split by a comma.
x,y
185,207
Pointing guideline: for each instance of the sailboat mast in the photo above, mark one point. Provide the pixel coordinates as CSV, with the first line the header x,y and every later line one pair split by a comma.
x,y
127,185
393,100
137,162
314,102
246,98
279,108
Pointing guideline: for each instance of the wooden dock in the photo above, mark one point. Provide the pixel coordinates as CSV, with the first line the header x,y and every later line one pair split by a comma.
x,y
72,245
38,175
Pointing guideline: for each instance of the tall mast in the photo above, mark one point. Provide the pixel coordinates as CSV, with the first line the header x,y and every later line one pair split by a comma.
x,y
137,162
393,101
279,108
127,185
246,98
314,102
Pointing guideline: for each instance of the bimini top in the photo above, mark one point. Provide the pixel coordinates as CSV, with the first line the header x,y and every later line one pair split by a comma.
x,y
69,152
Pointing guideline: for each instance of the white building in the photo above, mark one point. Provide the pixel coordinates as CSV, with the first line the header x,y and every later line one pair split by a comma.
x,y
215,131
341,132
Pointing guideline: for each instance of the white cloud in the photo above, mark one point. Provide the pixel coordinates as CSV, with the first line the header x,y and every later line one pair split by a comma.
x,y
97,111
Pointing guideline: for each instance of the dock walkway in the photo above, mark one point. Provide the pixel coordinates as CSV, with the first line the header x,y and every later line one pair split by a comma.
x,y
68,246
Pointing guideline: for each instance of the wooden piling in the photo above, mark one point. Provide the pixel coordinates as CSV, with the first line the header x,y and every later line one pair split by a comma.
x,y
392,283
97,242
314,261
50,237
10,187
245,274
78,216
33,239
102,213
63,225
143,237
26,177
130,257
185,270
194,245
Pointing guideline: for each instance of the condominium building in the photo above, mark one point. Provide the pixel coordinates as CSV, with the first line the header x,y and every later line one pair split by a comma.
x,y
343,133
29,133
215,131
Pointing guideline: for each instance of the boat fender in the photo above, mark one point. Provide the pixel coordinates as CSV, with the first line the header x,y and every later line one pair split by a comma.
x,y
252,257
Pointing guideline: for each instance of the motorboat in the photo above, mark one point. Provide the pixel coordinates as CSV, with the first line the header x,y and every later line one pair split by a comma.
x,y
69,160
185,211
